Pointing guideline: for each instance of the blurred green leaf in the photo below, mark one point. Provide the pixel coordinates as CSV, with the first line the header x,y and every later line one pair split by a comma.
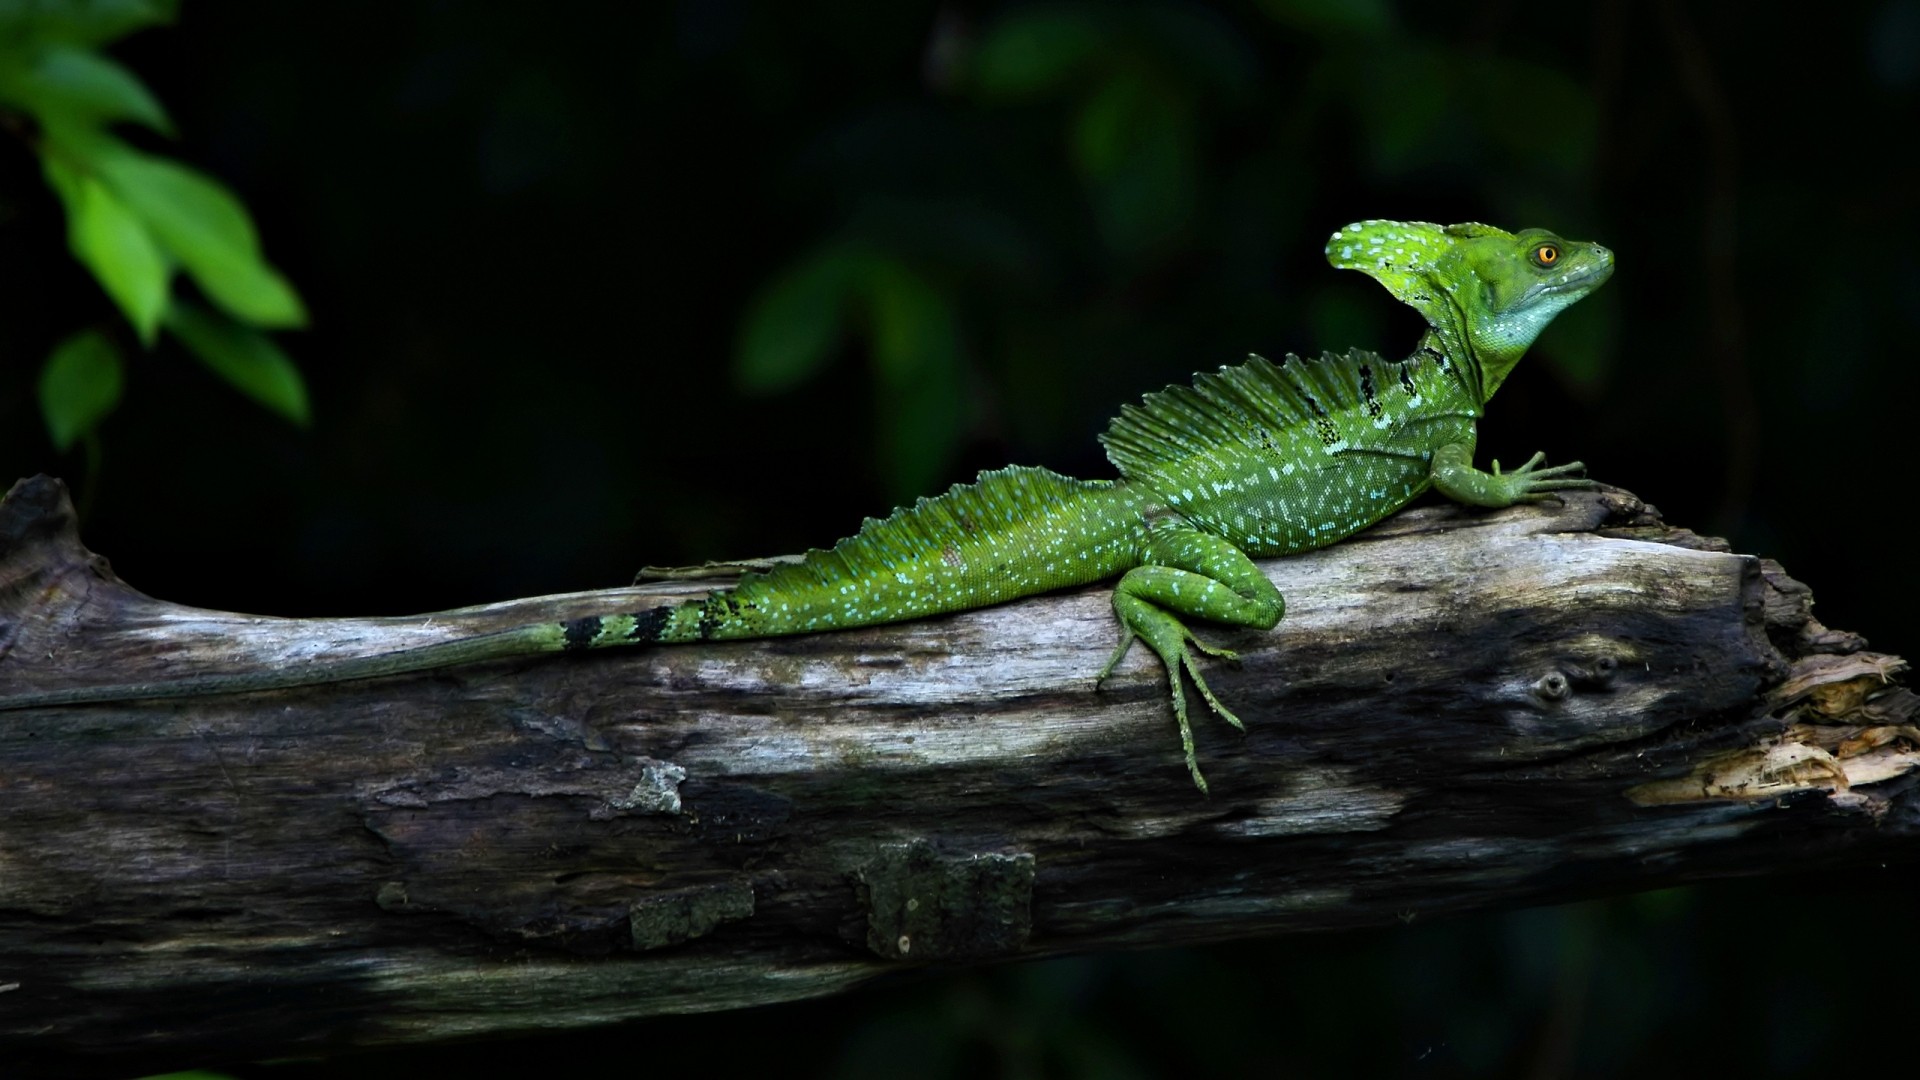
x,y
1133,140
1039,51
916,357
790,331
242,356
1033,51
914,324
206,229
64,85
921,423
110,241
913,334
80,22
1108,126
79,386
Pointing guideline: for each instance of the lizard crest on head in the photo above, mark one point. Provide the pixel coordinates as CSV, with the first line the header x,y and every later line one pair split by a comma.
x,y
1484,288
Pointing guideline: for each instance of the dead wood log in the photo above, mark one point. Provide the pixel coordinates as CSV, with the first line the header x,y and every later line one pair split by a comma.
x,y
1462,709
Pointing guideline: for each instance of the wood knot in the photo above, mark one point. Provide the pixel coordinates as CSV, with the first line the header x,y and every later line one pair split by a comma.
x,y
1596,675
1553,686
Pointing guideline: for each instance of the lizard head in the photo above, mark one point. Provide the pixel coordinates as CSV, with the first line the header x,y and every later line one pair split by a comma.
x,y
1476,285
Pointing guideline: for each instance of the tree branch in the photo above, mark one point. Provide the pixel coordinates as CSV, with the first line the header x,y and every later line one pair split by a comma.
x,y
1462,709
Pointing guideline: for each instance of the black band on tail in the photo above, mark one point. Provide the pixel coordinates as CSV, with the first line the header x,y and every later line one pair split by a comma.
x,y
581,633
648,624
594,631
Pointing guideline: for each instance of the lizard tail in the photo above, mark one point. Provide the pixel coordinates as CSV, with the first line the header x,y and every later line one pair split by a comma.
x,y
1013,532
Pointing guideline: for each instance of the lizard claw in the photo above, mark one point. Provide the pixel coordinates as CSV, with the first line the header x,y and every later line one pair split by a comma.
x,y
1212,650
1119,652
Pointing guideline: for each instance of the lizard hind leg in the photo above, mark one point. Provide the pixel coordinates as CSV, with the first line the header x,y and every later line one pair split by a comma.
x,y
1197,574
1168,637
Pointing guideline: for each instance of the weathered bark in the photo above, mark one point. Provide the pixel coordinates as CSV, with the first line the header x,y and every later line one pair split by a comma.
x,y
1462,709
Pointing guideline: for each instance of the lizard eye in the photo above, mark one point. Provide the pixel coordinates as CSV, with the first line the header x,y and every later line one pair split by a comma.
x,y
1546,254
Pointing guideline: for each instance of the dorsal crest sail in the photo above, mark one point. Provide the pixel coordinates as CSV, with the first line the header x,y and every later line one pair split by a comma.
x,y
1250,409
941,528
1012,533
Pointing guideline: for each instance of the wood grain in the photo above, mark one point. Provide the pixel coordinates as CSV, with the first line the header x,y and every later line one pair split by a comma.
x,y
1462,709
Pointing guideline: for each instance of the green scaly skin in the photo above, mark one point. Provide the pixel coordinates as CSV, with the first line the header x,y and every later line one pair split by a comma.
x,y
1253,461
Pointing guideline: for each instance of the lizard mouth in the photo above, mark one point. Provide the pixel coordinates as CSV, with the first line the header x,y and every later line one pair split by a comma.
x,y
1594,271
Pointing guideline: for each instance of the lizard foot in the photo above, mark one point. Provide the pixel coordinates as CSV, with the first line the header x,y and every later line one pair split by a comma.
x,y
1175,644
1532,482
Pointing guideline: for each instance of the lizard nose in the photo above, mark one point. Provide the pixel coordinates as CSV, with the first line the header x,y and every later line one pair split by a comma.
x,y
1603,264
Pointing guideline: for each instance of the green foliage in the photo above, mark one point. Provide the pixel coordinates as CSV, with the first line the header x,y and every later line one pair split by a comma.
x,y
791,330
1036,52
912,330
79,386
1133,142
116,245
205,228
1135,78
72,88
1137,98
917,356
134,217
244,357
85,23
1151,109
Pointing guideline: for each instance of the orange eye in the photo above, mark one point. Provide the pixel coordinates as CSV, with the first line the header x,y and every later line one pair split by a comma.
x,y
1546,255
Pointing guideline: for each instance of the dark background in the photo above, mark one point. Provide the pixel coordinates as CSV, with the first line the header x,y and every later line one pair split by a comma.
x,y
532,237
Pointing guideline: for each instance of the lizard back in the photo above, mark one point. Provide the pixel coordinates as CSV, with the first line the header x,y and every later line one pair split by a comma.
x,y
1287,457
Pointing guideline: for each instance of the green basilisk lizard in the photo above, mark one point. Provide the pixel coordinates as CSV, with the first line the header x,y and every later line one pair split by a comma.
x,y
1257,460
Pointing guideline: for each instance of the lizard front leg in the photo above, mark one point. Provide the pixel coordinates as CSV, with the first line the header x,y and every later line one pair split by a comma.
x,y
1455,477
1189,572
